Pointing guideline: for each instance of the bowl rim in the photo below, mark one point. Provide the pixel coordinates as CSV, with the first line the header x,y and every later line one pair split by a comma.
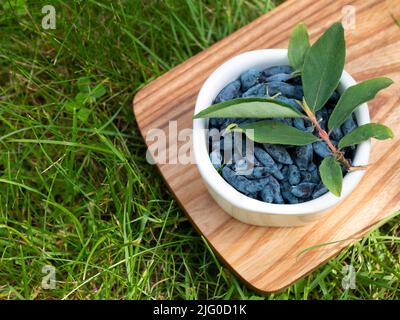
x,y
229,71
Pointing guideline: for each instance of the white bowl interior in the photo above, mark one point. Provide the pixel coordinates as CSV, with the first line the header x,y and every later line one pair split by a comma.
x,y
231,70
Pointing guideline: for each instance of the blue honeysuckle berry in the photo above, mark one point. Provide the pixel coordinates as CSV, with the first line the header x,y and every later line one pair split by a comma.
x,y
315,177
278,153
267,194
257,91
303,190
303,156
348,126
289,197
249,78
291,102
276,70
268,162
311,167
286,194
298,123
308,125
278,175
321,149
229,92
303,124
242,184
319,191
285,172
305,176
259,184
280,77
288,90
294,175
336,134
275,186
258,172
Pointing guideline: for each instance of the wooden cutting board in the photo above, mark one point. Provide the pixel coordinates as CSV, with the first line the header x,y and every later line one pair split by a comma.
x,y
269,259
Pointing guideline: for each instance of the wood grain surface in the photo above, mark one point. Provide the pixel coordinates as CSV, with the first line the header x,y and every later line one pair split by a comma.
x,y
270,259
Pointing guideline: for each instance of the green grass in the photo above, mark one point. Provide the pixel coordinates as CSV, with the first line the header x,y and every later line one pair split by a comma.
x,y
75,189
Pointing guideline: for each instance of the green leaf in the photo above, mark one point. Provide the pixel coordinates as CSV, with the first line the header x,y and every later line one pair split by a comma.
x,y
92,95
84,84
98,91
274,132
83,114
71,105
299,44
323,67
365,132
353,97
88,93
249,108
331,175
82,98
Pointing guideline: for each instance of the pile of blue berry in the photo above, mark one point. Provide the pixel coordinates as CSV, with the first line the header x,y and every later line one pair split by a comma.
x,y
279,174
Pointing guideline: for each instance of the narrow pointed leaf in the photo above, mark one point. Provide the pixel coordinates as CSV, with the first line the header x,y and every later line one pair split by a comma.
x,y
365,132
355,96
298,46
249,108
275,132
331,175
323,67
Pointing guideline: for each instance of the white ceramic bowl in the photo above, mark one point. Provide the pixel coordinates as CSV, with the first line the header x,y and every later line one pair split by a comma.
x,y
238,205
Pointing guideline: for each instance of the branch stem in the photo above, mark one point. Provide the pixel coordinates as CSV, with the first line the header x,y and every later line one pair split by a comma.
x,y
339,155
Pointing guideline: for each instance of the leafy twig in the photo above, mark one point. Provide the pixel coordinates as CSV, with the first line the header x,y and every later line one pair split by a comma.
x,y
338,154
